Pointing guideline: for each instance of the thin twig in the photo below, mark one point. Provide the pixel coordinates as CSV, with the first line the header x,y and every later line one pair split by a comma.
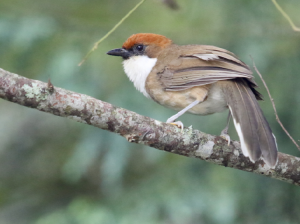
x,y
273,104
294,27
109,32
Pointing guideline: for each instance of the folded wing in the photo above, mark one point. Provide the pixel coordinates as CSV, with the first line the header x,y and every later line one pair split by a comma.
x,y
201,65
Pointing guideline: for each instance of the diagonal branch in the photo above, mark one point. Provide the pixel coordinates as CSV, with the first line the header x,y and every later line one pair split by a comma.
x,y
139,129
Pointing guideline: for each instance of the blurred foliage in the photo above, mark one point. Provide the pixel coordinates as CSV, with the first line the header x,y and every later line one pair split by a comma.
x,y
58,171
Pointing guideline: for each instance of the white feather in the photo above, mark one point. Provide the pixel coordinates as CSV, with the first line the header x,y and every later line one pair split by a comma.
x,y
277,150
244,146
206,57
275,141
137,68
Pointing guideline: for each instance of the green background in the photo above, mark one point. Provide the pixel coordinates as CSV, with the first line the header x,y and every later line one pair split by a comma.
x,y
54,170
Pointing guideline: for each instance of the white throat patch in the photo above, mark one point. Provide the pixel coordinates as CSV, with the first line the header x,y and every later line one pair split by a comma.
x,y
137,68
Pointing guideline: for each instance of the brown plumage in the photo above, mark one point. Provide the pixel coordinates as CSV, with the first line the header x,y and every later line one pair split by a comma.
x,y
200,79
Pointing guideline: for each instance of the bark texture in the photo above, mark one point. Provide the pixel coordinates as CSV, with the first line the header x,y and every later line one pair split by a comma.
x,y
139,129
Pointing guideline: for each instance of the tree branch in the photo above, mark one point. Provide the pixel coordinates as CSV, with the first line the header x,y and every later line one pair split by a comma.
x,y
139,129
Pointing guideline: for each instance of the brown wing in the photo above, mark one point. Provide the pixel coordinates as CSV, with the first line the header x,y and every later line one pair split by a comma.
x,y
201,65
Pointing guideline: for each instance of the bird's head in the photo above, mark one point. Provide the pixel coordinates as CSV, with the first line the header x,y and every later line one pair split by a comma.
x,y
142,44
140,52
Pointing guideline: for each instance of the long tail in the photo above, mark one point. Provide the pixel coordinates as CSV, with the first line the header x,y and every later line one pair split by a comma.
x,y
256,137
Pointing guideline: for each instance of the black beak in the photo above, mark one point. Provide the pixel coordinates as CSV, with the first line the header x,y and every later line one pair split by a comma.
x,y
119,52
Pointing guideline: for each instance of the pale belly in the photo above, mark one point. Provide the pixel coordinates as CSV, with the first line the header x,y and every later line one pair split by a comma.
x,y
214,101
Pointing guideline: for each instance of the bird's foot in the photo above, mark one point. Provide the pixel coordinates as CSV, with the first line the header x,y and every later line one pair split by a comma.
x,y
224,134
179,124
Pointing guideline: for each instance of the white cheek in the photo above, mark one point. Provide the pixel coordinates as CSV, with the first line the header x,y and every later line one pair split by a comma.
x,y
137,68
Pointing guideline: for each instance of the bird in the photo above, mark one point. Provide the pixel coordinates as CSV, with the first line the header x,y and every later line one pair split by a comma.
x,y
202,80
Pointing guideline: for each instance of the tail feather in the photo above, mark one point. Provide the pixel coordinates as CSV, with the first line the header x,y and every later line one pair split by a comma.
x,y
257,139
268,141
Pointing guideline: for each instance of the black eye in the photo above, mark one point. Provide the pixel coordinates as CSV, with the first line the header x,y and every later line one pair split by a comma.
x,y
139,47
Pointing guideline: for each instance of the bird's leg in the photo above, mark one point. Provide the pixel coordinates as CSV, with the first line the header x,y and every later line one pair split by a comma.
x,y
174,117
224,133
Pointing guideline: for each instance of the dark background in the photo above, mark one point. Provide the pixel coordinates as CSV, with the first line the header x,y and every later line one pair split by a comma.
x,y
54,170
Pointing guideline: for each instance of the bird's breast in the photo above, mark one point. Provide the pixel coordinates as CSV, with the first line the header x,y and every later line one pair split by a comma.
x,y
214,100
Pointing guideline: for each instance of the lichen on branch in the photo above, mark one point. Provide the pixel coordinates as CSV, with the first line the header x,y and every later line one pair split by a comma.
x,y
139,129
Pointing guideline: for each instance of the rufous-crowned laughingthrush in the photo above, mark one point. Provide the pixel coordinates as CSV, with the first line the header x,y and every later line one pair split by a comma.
x,y
200,79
